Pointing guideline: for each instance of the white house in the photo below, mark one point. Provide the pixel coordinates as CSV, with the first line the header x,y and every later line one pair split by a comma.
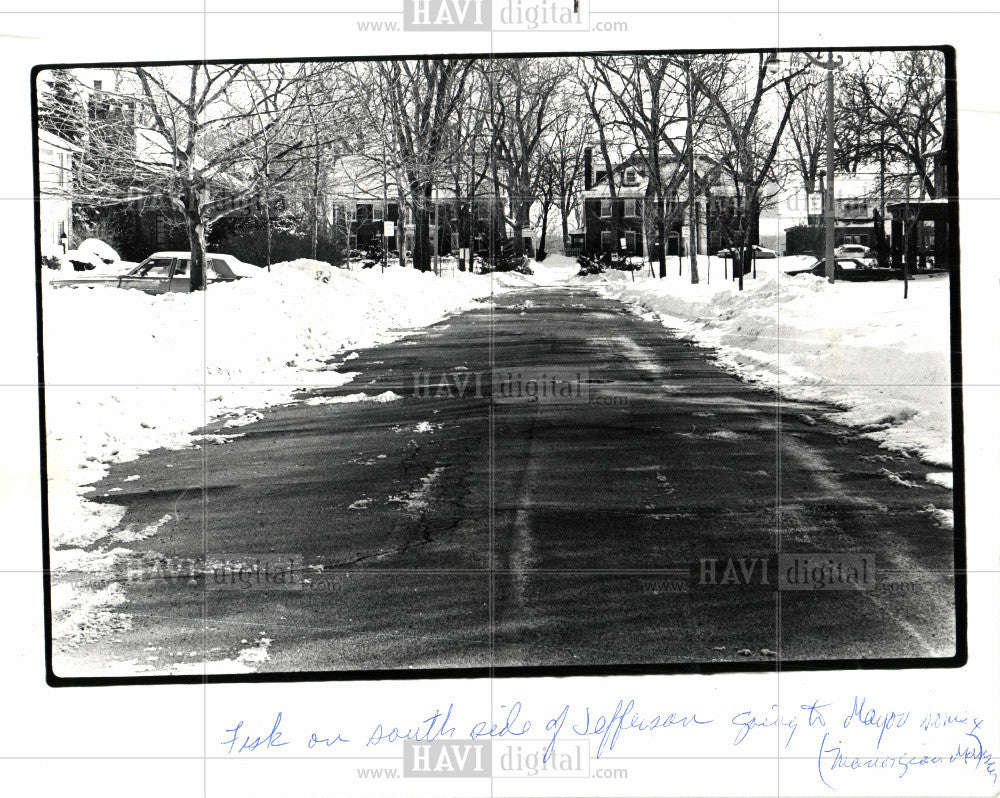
x,y
55,180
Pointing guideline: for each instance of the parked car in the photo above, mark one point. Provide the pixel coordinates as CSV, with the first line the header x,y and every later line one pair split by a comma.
x,y
854,251
166,272
849,269
759,252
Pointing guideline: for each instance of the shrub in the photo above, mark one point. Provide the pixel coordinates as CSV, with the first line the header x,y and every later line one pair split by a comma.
x,y
804,239
246,239
589,266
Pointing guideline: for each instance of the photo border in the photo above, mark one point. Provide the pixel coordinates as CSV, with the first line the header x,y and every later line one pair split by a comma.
x,y
960,657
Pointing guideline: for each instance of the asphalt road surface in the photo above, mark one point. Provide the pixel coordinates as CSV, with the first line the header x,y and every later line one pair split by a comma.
x,y
636,521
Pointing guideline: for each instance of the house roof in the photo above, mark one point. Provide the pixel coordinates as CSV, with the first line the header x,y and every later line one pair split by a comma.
x,y
668,169
363,178
45,137
358,177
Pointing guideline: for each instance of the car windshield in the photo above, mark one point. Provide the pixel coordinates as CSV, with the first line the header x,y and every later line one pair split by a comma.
x,y
154,267
182,267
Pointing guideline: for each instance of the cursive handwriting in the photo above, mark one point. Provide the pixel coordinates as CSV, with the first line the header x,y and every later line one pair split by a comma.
x,y
864,739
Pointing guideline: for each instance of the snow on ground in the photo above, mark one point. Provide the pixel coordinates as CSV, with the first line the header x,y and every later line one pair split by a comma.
x,y
884,361
127,372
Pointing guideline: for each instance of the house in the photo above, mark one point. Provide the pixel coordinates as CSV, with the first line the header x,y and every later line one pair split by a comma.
x,y
626,213
923,234
55,184
909,221
363,197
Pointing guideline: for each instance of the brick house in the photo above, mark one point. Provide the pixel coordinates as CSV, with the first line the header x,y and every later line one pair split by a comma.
x,y
629,208
363,196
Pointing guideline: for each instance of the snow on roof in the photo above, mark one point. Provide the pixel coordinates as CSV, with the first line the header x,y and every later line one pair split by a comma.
x,y
358,177
668,168
363,178
44,137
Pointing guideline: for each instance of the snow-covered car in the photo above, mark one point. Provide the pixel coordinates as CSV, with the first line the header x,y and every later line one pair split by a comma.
x,y
166,272
759,252
90,255
854,251
849,270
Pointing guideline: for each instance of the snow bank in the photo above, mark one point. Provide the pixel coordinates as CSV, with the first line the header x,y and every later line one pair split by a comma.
x,y
127,372
884,361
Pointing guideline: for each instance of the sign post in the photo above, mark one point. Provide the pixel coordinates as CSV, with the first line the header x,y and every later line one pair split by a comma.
x,y
388,231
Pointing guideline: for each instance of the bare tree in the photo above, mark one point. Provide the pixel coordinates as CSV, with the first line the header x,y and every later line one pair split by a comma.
x,y
895,110
806,142
422,97
645,107
522,93
747,139
276,153
600,105
564,159
188,137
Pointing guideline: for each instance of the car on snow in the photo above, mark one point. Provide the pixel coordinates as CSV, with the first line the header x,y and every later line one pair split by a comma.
x,y
759,252
165,272
854,251
849,270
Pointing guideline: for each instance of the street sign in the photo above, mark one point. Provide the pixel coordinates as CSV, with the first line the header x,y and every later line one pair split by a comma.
x,y
814,203
388,229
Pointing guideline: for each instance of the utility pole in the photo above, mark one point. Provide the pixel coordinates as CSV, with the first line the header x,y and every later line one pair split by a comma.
x,y
829,206
831,64
692,218
437,235
831,211
385,205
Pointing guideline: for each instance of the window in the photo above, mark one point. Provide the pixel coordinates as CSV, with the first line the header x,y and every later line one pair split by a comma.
x,y
378,212
605,209
607,241
630,209
631,240
157,267
631,178
351,212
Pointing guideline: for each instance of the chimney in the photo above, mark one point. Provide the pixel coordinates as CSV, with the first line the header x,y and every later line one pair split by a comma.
x,y
588,168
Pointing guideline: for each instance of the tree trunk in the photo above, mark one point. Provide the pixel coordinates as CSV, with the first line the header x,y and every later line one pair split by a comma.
x,y
401,226
540,253
519,225
196,241
267,231
422,227
661,243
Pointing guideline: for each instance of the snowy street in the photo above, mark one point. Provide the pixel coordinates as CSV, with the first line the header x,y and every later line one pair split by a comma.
x,y
434,517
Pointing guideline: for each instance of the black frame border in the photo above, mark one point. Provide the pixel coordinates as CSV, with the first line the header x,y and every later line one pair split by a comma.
x,y
489,672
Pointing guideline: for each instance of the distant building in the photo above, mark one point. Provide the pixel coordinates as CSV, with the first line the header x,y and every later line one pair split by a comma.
x,y
363,197
912,206
55,186
626,213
